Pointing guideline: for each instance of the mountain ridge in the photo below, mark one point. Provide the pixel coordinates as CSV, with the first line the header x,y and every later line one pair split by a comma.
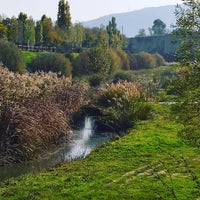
x,y
131,22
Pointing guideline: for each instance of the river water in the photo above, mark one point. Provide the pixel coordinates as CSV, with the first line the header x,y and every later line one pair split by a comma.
x,y
82,143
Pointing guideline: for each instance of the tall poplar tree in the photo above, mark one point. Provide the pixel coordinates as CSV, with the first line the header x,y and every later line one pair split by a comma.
x,y
64,17
21,21
114,34
39,33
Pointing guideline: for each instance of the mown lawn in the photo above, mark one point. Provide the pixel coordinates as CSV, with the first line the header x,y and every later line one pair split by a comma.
x,y
148,163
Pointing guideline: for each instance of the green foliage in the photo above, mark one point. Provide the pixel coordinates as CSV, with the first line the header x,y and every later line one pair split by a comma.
x,y
113,34
159,27
122,76
100,60
11,57
3,30
28,56
29,32
148,163
51,62
145,60
187,84
38,33
95,80
49,33
12,25
159,60
122,104
64,17
21,27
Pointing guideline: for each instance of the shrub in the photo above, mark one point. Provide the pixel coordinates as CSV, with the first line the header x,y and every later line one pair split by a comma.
x,y
122,76
124,59
122,104
11,57
35,112
95,80
51,62
133,61
159,60
146,60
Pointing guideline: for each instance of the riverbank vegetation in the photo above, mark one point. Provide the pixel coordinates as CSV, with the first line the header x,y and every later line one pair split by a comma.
x,y
35,112
157,158
150,162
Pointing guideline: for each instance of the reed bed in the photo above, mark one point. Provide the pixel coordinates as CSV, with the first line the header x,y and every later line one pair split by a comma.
x,y
35,113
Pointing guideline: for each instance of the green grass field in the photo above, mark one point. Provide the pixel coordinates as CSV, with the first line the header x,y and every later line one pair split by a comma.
x,y
148,163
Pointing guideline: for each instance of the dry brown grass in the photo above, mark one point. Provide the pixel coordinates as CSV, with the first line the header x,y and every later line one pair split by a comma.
x,y
35,113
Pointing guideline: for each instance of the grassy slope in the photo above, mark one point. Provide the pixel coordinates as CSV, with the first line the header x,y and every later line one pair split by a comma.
x,y
148,163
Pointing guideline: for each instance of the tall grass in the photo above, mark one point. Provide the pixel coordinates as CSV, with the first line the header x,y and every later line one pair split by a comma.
x,y
122,104
35,111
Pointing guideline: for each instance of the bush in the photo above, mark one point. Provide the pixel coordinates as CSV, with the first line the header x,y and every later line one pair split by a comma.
x,y
146,60
95,80
159,60
122,104
124,59
122,76
35,113
51,62
11,57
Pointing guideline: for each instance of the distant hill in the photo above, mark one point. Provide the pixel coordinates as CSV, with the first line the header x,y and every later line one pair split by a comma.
x,y
132,22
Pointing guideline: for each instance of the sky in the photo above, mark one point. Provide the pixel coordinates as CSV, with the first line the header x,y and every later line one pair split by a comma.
x,y
80,10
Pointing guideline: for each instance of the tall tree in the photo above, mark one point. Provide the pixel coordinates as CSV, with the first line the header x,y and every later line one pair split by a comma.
x,y
29,32
49,34
159,27
113,34
38,33
21,28
12,26
64,17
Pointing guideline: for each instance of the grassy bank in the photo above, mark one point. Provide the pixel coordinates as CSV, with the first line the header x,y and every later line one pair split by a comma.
x,y
148,163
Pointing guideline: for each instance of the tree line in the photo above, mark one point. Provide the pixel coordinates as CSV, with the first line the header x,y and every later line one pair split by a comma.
x,y
23,30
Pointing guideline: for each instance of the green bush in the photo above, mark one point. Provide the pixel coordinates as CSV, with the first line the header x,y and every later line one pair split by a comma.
x,y
11,57
95,80
159,60
125,65
122,104
146,60
50,62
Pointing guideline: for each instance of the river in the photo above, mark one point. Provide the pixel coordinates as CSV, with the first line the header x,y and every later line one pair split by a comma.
x,y
82,143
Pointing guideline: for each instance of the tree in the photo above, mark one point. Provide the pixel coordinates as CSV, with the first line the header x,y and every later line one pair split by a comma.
x,y
49,34
12,25
21,28
114,34
29,32
3,30
187,86
64,17
141,33
39,33
159,27
11,57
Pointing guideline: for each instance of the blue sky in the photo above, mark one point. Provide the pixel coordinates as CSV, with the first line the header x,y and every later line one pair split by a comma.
x,y
81,10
